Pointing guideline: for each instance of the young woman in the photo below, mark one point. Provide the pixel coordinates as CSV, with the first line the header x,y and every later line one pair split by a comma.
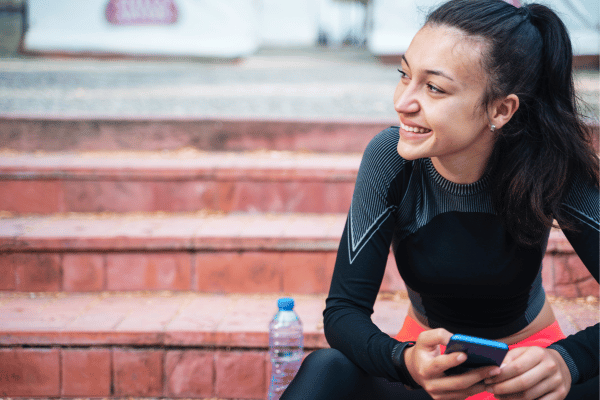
x,y
489,152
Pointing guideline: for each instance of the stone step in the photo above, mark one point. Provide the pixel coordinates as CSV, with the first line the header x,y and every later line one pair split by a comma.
x,y
33,133
168,344
204,252
81,133
177,181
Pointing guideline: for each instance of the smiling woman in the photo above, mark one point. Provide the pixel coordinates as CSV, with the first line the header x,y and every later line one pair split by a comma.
x,y
445,78
490,150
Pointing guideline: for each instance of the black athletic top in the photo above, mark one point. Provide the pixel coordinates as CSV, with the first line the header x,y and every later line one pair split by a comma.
x,y
462,270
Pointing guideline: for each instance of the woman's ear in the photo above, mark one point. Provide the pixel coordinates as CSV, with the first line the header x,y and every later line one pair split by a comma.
x,y
503,109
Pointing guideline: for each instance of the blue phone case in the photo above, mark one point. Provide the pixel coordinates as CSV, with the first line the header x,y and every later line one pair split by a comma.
x,y
480,352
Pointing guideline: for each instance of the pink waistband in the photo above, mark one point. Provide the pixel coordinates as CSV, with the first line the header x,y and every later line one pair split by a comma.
x,y
544,338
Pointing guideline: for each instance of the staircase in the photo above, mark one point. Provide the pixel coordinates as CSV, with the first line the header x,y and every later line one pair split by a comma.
x,y
143,256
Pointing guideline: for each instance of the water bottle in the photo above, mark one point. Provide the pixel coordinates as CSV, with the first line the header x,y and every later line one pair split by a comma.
x,y
286,347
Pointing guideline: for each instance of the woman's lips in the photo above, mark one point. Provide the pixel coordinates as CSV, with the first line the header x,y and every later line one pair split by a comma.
x,y
414,129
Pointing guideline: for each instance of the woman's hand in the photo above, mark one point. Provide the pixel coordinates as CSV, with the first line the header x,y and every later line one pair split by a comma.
x,y
426,365
531,373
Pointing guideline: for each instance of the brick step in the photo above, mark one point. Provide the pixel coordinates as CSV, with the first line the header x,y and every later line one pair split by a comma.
x,y
216,253
201,252
177,181
167,344
30,133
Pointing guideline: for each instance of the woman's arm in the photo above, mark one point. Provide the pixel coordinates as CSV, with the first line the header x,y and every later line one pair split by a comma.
x,y
533,371
362,257
580,351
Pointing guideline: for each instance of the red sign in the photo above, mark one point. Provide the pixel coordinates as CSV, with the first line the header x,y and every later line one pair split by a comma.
x,y
141,12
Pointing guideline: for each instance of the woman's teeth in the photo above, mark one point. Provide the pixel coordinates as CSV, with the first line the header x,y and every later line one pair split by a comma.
x,y
414,129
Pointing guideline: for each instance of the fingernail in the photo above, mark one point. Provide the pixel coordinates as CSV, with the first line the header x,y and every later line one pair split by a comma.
x,y
494,372
461,357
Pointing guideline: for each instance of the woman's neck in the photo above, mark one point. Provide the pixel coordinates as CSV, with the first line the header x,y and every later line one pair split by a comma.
x,y
461,170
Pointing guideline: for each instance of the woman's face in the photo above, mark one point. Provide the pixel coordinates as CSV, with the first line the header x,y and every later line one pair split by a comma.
x,y
438,101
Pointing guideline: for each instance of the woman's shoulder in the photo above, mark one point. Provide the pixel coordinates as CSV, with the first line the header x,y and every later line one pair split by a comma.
x,y
382,149
584,196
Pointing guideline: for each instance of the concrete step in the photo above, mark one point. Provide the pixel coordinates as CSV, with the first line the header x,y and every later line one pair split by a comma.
x,y
168,344
206,252
176,181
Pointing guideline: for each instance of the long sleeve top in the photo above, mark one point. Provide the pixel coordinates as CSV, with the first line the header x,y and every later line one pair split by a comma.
x,y
463,271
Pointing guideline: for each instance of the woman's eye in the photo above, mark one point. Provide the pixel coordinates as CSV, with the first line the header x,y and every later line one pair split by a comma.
x,y
435,89
402,73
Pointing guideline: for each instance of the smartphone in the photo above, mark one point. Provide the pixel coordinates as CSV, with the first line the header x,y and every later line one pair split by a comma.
x,y
480,352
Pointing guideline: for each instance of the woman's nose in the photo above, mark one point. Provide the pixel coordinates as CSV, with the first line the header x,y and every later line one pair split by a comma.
x,y
405,101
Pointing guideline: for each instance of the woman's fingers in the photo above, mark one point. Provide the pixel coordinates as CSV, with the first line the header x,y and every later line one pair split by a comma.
x,y
531,373
471,381
433,338
513,365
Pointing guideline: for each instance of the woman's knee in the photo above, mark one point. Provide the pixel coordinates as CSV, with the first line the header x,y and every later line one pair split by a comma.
x,y
330,364
325,374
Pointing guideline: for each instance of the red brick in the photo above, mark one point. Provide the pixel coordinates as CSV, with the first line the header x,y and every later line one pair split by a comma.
x,y
8,272
305,272
148,271
86,372
238,272
29,372
548,273
562,272
567,290
190,373
258,196
83,272
588,287
185,196
303,196
38,272
40,197
115,196
240,374
137,372
224,197
577,270
338,197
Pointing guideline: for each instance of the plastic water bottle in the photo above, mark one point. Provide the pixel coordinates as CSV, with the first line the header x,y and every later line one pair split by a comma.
x,y
286,347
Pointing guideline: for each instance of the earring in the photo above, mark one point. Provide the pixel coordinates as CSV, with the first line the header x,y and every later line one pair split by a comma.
x,y
492,127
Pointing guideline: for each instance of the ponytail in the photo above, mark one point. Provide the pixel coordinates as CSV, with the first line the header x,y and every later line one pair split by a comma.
x,y
545,144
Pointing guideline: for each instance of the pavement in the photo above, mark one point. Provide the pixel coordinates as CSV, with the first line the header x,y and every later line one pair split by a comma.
x,y
314,83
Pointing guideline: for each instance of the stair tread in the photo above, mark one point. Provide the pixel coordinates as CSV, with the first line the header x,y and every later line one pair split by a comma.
x,y
202,230
194,319
183,163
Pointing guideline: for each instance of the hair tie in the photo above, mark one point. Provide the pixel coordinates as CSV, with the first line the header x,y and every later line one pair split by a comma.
x,y
525,12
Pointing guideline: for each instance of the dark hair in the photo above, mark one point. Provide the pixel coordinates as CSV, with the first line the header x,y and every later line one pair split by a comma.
x,y
545,144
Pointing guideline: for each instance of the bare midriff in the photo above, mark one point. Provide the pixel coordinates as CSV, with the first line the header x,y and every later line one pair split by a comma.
x,y
544,319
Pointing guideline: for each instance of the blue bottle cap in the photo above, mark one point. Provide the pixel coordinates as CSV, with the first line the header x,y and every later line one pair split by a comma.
x,y
285,304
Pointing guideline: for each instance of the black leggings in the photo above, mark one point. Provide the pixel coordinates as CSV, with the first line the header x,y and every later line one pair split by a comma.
x,y
327,374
